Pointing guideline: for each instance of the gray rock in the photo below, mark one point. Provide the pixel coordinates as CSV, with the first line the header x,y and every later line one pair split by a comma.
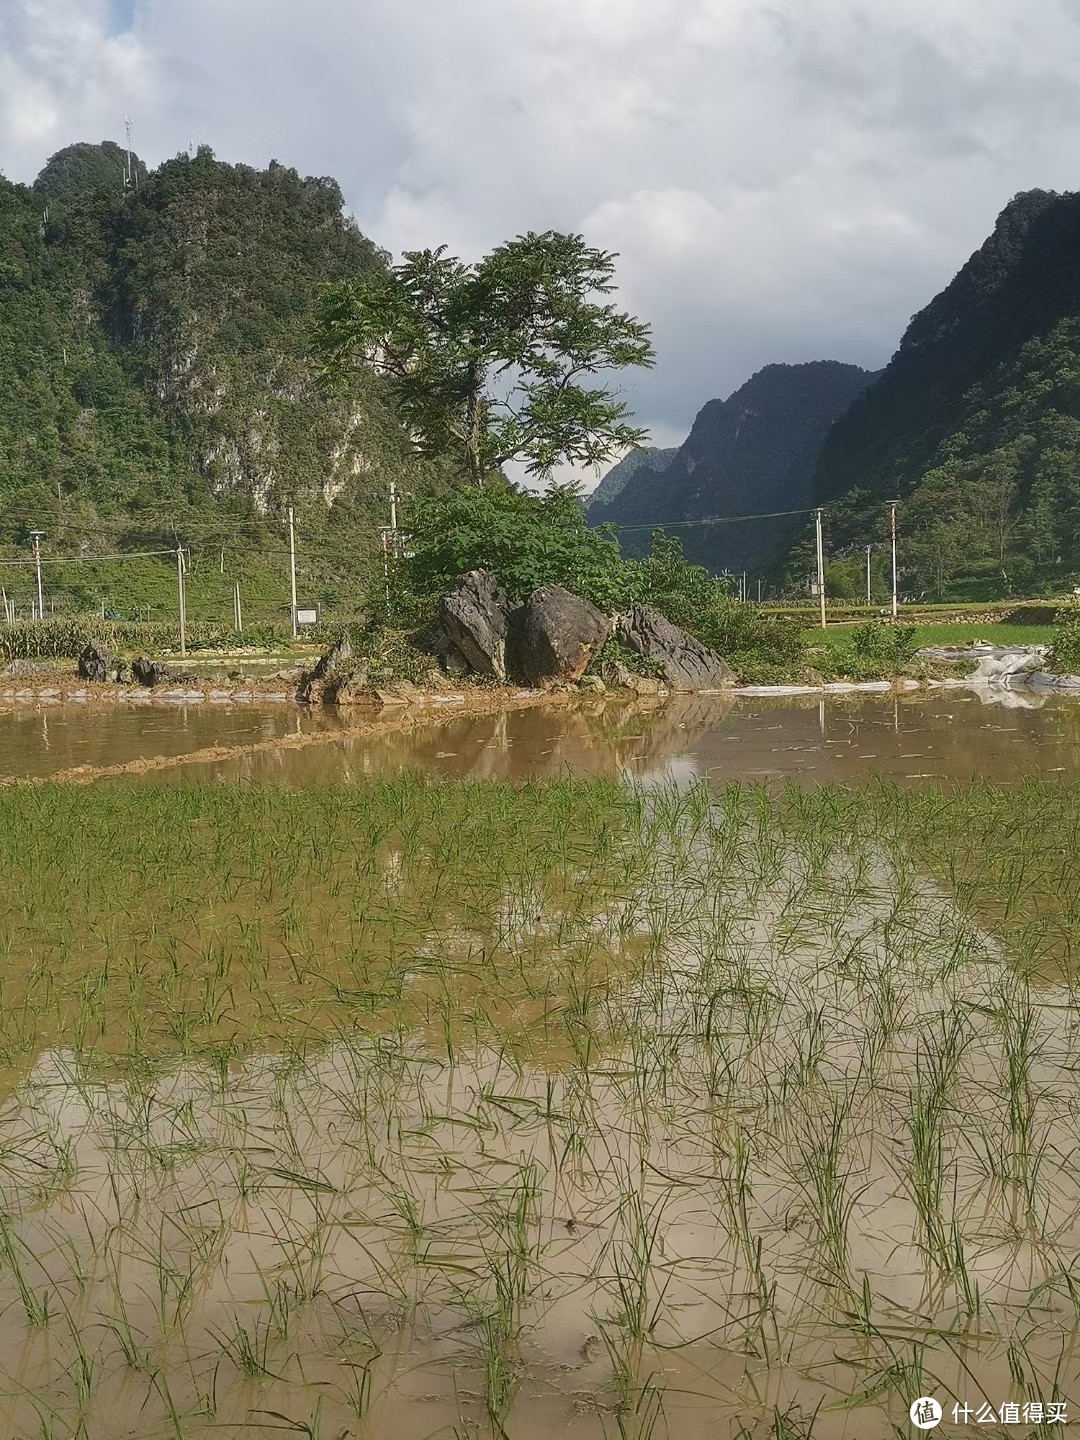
x,y
17,668
335,678
592,682
474,616
554,635
150,672
626,679
685,664
451,660
94,662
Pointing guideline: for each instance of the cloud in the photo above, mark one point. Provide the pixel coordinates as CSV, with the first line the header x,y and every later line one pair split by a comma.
x,y
783,181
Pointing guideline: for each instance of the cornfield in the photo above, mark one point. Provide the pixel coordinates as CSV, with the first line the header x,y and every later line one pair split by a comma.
x,y
63,638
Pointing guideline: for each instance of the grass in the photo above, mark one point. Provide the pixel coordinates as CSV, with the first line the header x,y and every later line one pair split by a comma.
x,y
473,1109
839,636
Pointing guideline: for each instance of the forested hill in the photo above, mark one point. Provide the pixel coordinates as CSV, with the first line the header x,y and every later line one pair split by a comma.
x,y
153,353
975,423
751,453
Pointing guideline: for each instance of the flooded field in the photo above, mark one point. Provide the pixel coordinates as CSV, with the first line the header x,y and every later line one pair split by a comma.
x,y
942,734
445,1083
461,1109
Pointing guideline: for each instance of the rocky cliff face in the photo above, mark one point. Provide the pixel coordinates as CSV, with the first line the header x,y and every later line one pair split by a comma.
x,y
751,453
646,457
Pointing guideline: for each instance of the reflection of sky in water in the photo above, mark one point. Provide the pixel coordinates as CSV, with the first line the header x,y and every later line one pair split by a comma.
x,y
947,733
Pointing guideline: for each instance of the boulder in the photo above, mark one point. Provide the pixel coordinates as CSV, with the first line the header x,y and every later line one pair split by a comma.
x,y
95,662
554,635
683,662
333,675
473,616
150,672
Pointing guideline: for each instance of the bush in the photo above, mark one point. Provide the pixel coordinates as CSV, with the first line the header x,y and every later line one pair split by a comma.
x,y
1064,656
526,540
882,644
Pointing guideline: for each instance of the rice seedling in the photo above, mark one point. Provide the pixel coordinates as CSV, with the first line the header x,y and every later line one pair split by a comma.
x,y
413,1105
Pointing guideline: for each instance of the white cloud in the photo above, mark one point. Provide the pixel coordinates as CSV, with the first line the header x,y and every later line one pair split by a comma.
x,y
784,181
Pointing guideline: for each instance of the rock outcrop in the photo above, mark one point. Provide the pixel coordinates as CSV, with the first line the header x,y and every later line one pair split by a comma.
x,y
95,663
683,662
554,635
149,672
336,677
474,616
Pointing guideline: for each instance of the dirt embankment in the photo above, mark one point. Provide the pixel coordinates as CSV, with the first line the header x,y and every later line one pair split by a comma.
x,y
374,721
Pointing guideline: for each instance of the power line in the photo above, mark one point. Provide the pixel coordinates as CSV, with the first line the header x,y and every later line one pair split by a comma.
x,y
85,559
712,520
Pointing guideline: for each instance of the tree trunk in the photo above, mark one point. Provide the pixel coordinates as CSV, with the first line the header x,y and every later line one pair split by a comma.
x,y
472,442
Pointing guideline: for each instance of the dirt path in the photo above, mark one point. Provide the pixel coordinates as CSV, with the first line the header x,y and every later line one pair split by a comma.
x,y
429,710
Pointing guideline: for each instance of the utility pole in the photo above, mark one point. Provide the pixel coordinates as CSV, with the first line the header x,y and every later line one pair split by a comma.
x,y
393,514
292,568
869,601
893,504
820,566
238,619
759,590
36,537
181,599
744,590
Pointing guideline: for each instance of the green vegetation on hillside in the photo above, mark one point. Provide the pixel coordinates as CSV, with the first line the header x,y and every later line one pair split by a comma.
x,y
975,424
155,380
751,454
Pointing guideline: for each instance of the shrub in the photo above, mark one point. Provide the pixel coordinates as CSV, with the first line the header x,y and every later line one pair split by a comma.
x,y
1064,654
882,644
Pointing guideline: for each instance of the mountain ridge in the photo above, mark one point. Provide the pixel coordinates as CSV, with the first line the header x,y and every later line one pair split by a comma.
x,y
750,453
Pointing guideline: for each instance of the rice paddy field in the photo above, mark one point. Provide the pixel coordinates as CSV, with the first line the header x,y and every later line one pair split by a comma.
x,y
423,1107
945,632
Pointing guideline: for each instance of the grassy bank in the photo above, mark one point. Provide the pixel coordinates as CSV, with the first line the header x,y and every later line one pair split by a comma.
x,y
472,1109
839,636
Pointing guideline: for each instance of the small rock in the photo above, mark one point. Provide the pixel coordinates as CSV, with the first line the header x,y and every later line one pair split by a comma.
x,y
627,679
333,677
150,672
592,682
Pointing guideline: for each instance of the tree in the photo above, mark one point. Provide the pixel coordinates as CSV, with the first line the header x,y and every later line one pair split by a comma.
x,y
490,361
526,540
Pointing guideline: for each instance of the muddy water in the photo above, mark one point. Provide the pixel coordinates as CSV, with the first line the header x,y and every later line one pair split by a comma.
x,y
951,734
38,741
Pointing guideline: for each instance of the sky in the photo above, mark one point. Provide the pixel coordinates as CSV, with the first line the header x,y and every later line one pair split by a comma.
x,y
784,180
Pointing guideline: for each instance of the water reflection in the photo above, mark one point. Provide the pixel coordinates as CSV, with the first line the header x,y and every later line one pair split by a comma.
x,y
953,733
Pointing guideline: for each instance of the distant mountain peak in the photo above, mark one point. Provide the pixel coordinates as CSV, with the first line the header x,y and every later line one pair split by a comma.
x,y
751,453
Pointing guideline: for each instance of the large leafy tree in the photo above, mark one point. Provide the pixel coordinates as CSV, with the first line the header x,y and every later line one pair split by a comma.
x,y
495,361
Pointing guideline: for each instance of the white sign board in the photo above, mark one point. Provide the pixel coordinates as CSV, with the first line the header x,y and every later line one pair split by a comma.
x,y
307,617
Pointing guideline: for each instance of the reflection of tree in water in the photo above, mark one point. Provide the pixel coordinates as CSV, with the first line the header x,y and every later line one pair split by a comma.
x,y
947,733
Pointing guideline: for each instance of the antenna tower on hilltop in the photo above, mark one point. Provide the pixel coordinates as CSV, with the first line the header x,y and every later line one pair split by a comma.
x,y
131,175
